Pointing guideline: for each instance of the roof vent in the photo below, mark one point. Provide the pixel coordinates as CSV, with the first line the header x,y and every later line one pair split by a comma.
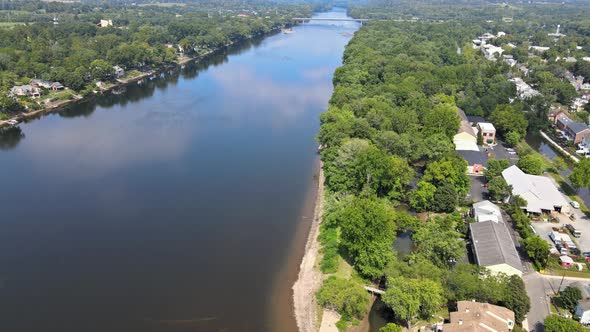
x,y
460,322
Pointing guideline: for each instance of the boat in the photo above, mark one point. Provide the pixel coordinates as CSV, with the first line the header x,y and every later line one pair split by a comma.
x,y
288,31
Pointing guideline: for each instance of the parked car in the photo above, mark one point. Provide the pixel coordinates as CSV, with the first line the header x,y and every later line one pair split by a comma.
x,y
575,204
573,230
562,250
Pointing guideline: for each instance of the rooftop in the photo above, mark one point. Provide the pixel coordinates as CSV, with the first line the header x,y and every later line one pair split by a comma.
x,y
487,211
486,126
476,316
539,192
493,244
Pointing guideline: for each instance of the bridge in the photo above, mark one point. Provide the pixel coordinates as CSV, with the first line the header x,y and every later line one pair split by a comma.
x,y
375,291
303,19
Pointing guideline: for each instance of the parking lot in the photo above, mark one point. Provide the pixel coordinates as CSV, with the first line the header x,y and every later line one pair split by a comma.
x,y
581,223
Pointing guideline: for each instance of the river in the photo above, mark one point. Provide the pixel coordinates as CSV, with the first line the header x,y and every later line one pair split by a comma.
x,y
180,204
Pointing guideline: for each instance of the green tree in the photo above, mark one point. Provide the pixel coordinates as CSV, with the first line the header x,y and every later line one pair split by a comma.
x,y
100,69
538,250
516,298
445,198
422,198
412,298
442,119
495,168
391,327
498,188
580,176
438,241
506,119
367,235
348,297
512,138
569,297
451,169
531,164
555,323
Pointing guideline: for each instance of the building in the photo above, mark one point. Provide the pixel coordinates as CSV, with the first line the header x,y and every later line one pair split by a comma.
x,y
486,211
475,316
465,139
493,247
488,132
491,52
540,192
557,113
524,90
119,72
104,23
583,311
539,48
574,130
25,90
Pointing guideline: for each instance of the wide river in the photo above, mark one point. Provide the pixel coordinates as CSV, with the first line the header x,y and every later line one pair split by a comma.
x,y
180,204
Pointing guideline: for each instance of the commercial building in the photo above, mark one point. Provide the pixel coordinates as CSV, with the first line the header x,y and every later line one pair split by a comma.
x,y
476,316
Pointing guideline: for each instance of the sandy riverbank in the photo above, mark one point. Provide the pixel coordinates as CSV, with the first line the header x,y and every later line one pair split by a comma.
x,y
310,278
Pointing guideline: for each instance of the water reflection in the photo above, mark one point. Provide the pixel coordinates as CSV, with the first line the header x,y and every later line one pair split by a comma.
x,y
10,137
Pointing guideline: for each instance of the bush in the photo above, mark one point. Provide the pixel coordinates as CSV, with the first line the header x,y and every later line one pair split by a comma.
x,y
329,239
347,297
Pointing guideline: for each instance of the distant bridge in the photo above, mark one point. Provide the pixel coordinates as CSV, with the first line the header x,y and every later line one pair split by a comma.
x,y
374,291
303,19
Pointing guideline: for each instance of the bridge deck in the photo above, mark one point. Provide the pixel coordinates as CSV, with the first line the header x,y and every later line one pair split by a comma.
x,y
329,19
375,290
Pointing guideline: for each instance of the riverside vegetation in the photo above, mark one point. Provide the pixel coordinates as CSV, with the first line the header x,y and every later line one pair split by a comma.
x,y
387,145
62,42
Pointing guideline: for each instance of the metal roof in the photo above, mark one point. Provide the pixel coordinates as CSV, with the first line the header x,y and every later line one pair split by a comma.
x,y
493,245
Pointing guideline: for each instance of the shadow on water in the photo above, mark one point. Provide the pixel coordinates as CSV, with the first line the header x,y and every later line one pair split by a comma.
x,y
10,137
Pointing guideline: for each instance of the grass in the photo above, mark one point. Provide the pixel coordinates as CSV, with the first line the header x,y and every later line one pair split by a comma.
x,y
553,268
131,74
10,25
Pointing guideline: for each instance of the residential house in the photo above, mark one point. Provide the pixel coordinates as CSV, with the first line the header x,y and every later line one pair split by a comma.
x,y
488,132
583,311
40,83
25,90
539,48
586,58
578,104
524,90
556,113
55,86
509,60
104,23
491,52
119,72
540,193
574,130
570,59
486,211
465,139
477,316
494,248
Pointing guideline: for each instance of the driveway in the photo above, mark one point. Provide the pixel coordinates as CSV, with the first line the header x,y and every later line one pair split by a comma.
x,y
500,152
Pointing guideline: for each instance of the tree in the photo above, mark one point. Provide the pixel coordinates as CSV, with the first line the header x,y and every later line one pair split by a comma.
x,y
479,138
445,198
537,249
391,327
100,69
498,188
442,119
516,298
531,164
555,323
580,176
367,235
558,164
410,298
512,138
348,297
495,168
569,297
422,198
451,169
506,119
438,241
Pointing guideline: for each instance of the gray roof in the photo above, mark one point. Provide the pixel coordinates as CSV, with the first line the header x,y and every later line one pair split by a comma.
x,y
584,304
493,245
576,126
474,157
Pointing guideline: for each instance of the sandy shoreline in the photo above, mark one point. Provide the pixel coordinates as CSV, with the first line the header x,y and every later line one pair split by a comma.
x,y
309,277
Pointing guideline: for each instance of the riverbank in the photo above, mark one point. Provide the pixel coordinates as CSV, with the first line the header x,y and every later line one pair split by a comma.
x,y
310,278
119,83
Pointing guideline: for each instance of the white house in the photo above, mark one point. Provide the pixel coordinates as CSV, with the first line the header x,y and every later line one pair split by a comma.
x,y
540,193
465,139
487,211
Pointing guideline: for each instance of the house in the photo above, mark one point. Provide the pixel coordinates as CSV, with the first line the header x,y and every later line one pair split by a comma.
x,y
557,113
574,130
55,86
578,104
524,90
493,247
539,48
486,211
570,59
583,311
488,132
25,90
540,192
119,72
477,316
566,261
40,83
104,23
491,52
465,139
509,60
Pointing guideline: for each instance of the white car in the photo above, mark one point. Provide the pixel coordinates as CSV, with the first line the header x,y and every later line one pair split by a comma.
x,y
575,204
